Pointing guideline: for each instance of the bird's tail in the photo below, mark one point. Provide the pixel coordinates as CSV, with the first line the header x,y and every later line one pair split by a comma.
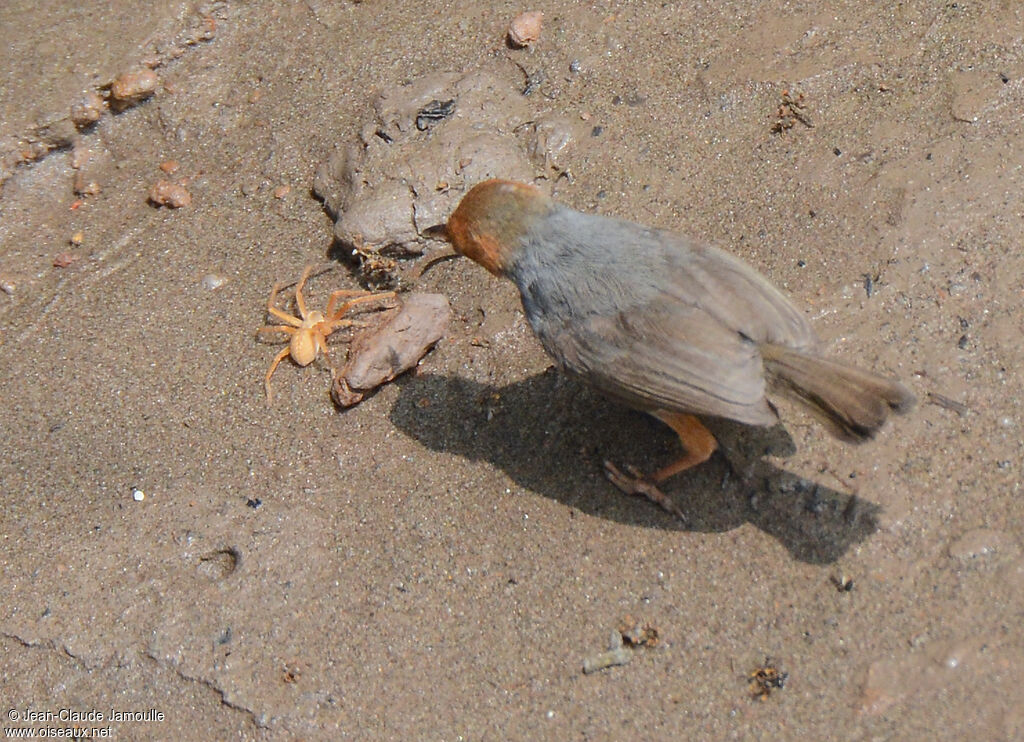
x,y
853,403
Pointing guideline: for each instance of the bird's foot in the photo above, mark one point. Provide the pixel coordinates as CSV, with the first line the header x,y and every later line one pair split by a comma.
x,y
636,483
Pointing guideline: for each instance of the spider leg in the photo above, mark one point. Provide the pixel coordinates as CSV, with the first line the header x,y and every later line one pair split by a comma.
x,y
273,367
283,316
329,328
278,328
298,291
332,319
321,341
335,295
273,295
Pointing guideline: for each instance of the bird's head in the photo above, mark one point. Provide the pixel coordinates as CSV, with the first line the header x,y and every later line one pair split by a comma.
x,y
488,223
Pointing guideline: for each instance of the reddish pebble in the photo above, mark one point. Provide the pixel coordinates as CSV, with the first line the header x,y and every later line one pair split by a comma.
x,y
64,260
282,191
170,166
87,110
171,195
134,86
525,28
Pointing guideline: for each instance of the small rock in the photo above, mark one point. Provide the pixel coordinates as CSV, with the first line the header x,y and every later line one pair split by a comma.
x,y
616,655
91,162
171,195
637,633
87,110
64,260
82,155
133,86
525,28
211,281
55,130
170,166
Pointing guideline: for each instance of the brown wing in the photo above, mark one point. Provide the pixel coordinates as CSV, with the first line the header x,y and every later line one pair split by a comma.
x,y
668,357
735,294
692,345
653,318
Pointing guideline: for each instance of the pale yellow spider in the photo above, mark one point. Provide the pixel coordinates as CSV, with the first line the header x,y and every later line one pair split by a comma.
x,y
310,331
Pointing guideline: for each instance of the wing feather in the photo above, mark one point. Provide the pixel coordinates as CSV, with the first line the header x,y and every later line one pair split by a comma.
x,y
656,320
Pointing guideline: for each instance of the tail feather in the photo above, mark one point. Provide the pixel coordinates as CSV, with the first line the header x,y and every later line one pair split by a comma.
x,y
854,403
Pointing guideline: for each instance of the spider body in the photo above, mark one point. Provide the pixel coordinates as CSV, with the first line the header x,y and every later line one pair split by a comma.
x,y
308,341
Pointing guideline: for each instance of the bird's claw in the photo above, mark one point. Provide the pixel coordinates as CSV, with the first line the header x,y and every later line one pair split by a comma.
x,y
636,483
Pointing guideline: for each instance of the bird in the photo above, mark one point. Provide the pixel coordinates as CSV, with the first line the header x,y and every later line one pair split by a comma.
x,y
663,323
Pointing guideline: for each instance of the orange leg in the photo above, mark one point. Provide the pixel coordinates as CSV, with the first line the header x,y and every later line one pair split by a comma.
x,y
298,291
273,295
335,320
332,300
696,439
321,342
283,316
698,444
278,328
273,367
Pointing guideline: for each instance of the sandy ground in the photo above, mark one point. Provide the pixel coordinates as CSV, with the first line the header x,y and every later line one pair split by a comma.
x,y
437,562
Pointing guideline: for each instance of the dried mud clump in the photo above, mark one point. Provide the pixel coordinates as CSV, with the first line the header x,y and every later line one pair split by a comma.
x,y
424,144
383,353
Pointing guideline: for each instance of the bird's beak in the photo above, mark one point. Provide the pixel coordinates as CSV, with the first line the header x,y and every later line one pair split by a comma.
x,y
437,232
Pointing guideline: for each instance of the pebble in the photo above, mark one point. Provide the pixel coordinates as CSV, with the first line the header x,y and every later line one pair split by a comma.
x,y
171,195
87,110
525,28
64,259
133,86
84,186
212,281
